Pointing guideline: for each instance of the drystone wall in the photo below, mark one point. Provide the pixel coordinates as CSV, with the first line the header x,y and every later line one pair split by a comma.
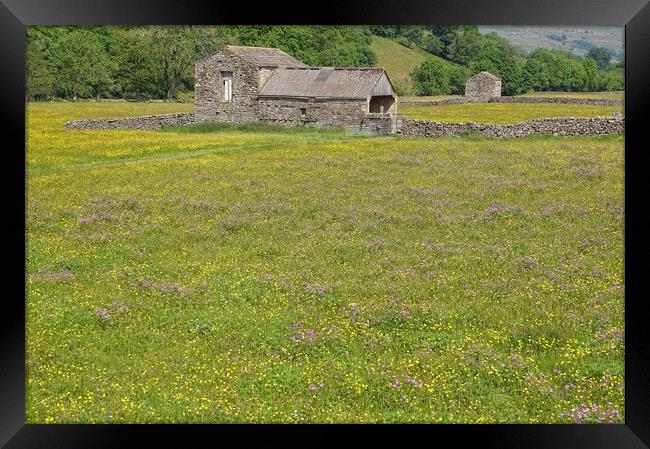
x,y
458,99
559,100
379,123
147,122
564,126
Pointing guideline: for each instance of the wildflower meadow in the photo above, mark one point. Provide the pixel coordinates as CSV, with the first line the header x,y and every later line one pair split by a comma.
x,y
222,274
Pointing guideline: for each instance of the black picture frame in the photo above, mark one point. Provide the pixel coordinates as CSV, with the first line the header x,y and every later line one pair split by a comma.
x,y
15,15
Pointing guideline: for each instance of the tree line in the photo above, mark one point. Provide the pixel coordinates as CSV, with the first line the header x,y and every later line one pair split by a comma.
x,y
157,62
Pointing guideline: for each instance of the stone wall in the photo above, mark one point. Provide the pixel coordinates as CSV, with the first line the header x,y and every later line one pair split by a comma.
x,y
208,89
569,126
318,113
147,122
380,123
559,100
458,99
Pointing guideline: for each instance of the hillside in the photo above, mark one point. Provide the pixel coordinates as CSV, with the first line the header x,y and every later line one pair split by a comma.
x,y
577,40
399,61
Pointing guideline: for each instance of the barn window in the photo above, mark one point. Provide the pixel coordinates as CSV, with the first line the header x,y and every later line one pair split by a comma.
x,y
227,85
303,112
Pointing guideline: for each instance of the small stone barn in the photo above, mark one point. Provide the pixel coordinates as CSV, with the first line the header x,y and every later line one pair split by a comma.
x,y
483,86
250,84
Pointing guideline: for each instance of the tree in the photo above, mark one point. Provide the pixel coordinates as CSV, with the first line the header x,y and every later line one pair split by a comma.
x,y
431,78
535,75
82,65
481,65
458,75
591,74
447,36
384,30
432,44
138,73
601,55
175,51
39,79
315,45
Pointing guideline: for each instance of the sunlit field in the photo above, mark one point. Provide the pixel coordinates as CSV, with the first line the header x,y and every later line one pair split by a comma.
x,y
503,112
251,274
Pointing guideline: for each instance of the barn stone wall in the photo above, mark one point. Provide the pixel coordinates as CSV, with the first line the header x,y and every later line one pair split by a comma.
x,y
569,126
319,113
208,89
482,87
248,79
147,122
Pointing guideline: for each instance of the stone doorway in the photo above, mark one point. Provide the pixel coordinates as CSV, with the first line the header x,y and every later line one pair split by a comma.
x,y
382,103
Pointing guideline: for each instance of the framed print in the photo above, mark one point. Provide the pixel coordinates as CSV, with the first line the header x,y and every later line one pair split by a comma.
x,y
428,215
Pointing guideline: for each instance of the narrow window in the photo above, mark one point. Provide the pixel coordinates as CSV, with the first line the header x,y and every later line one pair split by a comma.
x,y
303,112
227,85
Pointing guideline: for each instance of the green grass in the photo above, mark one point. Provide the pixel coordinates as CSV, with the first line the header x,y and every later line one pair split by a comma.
x,y
613,95
399,61
503,112
269,276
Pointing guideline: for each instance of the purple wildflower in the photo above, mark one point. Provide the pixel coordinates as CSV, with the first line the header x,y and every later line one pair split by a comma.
x,y
103,314
415,382
316,289
296,338
314,387
530,261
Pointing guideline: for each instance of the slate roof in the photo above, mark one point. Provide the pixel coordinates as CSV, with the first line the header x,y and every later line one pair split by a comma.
x,y
486,74
265,57
323,82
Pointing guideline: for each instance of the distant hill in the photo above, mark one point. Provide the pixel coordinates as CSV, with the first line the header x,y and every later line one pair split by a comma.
x,y
399,61
575,40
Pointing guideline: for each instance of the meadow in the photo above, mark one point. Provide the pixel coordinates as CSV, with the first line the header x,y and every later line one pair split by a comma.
x,y
503,113
225,274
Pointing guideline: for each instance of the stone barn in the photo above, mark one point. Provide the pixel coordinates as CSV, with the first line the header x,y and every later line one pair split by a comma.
x,y
254,84
483,86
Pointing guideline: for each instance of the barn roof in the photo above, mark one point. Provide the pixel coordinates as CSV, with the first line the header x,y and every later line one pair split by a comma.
x,y
484,74
328,82
265,57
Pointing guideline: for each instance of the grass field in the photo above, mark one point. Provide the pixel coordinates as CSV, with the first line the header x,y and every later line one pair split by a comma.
x,y
399,61
269,276
503,112
613,95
